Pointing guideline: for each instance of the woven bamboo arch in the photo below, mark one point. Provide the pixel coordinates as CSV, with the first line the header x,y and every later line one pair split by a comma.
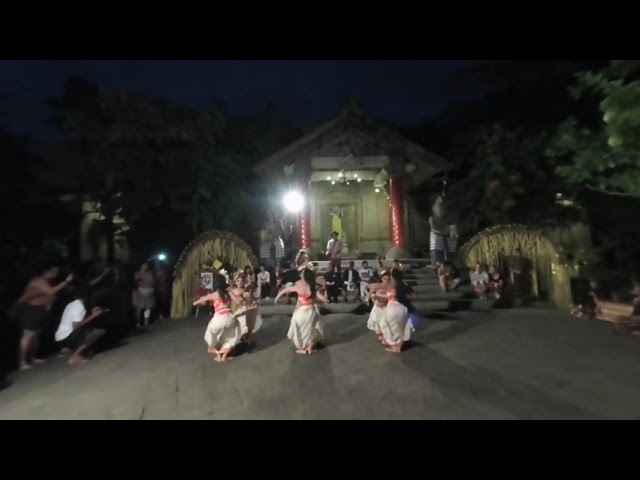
x,y
226,247
551,277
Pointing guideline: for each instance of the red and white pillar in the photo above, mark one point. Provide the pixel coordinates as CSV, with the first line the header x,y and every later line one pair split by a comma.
x,y
396,214
305,216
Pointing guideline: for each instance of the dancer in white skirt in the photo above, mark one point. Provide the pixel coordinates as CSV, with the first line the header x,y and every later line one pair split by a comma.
x,y
223,332
395,325
249,317
305,330
379,304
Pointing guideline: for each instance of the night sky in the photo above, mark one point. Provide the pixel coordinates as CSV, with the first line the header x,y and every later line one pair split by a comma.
x,y
404,93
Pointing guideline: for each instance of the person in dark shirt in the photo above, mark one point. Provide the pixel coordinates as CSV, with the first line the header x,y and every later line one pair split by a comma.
x,y
351,282
290,277
496,283
333,282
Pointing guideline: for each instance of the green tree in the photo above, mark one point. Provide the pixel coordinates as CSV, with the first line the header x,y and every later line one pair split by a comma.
x,y
506,180
131,154
603,155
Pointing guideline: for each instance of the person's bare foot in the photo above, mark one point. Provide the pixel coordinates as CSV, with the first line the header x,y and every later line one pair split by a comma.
x,y
301,351
64,352
217,359
25,366
76,360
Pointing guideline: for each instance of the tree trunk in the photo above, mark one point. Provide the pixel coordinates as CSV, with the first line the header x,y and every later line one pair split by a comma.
x,y
109,235
194,199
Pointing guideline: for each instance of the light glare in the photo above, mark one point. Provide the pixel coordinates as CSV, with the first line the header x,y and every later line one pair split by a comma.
x,y
293,202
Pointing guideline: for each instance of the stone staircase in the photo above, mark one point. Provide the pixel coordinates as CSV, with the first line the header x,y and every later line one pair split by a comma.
x,y
419,273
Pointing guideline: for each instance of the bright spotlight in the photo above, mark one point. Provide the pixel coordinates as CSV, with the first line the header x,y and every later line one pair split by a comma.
x,y
162,257
377,190
293,202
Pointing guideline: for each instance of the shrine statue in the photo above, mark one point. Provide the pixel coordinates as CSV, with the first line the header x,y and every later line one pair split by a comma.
x,y
271,240
336,226
443,235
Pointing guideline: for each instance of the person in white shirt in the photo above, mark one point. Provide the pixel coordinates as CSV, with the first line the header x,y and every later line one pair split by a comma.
x,y
264,282
366,274
334,252
480,280
75,332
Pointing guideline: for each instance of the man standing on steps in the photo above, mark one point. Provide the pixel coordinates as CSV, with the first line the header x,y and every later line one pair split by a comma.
x,y
334,252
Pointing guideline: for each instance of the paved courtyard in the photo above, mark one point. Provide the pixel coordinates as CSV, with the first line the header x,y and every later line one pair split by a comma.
x,y
499,364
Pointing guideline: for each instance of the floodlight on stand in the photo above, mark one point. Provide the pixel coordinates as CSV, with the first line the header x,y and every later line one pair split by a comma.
x,y
293,202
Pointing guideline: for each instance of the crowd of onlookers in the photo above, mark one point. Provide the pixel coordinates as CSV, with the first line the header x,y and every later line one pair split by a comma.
x,y
81,310
491,280
348,284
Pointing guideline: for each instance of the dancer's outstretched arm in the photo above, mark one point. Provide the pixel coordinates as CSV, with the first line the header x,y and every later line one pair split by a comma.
x,y
203,300
379,296
242,310
322,297
284,291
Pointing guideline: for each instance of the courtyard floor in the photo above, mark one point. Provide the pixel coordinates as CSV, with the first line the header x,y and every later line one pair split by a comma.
x,y
495,364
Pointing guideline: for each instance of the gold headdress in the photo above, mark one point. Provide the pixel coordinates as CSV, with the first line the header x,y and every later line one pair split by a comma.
x,y
224,273
307,266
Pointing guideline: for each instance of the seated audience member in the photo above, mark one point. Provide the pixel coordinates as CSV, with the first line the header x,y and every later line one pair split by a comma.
x,y
333,283
75,331
396,265
448,277
480,280
289,278
351,279
628,322
366,276
588,304
496,283
381,268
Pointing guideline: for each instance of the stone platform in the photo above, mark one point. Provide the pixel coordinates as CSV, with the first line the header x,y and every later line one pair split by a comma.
x,y
503,364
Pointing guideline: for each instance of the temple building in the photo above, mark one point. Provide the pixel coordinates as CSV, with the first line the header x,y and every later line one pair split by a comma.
x,y
356,175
